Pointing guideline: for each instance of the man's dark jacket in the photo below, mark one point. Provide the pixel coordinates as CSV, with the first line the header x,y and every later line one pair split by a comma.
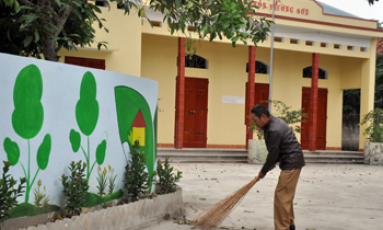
x,y
282,145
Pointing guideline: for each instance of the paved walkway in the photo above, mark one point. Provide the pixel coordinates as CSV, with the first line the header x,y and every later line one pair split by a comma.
x,y
329,197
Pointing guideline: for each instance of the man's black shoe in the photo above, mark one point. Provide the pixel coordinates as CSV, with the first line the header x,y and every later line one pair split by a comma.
x,y
292,227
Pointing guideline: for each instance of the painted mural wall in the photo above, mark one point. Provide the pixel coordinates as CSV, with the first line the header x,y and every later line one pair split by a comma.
x,y
52,114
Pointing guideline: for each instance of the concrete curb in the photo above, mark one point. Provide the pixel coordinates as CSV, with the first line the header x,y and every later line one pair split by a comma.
x,y
137,215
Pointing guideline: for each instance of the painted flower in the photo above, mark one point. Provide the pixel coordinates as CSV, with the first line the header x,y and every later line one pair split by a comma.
x,y
99,168
104,172
110,168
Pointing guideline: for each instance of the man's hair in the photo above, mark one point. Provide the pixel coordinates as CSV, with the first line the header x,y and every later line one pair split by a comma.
x,y
260,109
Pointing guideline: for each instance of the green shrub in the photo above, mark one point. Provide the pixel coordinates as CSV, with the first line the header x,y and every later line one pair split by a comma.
x,y
137,179
284,112
102,181
9,192
291,117
111,179
167,179
75,187
374,130
41,198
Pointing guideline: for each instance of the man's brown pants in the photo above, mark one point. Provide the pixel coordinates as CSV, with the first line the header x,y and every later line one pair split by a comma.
x,y
283,199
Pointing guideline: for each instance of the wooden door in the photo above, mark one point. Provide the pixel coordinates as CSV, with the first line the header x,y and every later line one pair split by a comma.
x,y
321,119
73,61
86,62
261,94
195,129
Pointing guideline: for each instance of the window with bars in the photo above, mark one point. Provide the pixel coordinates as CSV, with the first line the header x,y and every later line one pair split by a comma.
x,y
322,74
260,67
196,62
101,3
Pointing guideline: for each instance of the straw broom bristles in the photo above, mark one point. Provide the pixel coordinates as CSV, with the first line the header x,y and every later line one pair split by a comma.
x,y
215,214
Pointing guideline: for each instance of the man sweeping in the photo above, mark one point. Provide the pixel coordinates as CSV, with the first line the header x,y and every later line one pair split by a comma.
x,y
284,148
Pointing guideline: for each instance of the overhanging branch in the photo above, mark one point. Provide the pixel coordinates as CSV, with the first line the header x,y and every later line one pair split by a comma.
x,y
62,20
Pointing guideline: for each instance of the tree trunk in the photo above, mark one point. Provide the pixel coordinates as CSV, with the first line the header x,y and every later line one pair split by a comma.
x,y
49,50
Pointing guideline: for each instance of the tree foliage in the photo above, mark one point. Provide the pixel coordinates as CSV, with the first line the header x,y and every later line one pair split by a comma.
x,y
372,1
232,19
351,101
374,122
379,82
35,27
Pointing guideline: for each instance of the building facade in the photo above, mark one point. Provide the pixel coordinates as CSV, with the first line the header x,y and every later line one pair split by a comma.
x,y
319,51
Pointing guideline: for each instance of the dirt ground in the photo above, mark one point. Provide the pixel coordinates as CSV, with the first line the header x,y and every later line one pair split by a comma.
x,y
328,197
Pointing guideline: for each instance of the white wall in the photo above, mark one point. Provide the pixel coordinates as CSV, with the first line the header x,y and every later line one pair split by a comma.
x,y
61,91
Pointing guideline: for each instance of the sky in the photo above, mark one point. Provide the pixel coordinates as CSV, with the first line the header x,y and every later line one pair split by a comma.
x,y
360,8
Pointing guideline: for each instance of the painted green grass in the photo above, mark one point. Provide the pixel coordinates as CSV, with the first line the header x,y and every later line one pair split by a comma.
x,y
92,199
26,209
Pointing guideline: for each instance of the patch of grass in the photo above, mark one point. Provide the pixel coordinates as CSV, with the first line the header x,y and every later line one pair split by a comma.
x,y
26,209
92,199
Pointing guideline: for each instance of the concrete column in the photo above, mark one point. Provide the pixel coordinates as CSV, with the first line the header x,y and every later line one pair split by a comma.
x,y
367,89
180,96
250,91
314,102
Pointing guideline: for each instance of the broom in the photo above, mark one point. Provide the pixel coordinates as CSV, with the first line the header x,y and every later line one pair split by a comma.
x,y
215,214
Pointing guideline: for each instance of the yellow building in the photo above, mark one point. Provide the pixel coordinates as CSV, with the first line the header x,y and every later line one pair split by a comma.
x,y
319,51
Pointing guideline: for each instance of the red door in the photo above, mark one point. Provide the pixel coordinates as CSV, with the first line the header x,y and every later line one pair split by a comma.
x,y
261,94
195,130
86,62
321,119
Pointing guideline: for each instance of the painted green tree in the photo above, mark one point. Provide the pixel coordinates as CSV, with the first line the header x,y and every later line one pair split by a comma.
x,y
87,111
27,121
128,103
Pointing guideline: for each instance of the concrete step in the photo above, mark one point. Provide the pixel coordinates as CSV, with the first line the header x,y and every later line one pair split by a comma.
x,y
333,161
198,157
194,155
333,156
201,151
329,152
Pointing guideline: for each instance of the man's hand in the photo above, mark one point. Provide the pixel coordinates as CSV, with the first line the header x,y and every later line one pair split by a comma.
x,y
260,176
